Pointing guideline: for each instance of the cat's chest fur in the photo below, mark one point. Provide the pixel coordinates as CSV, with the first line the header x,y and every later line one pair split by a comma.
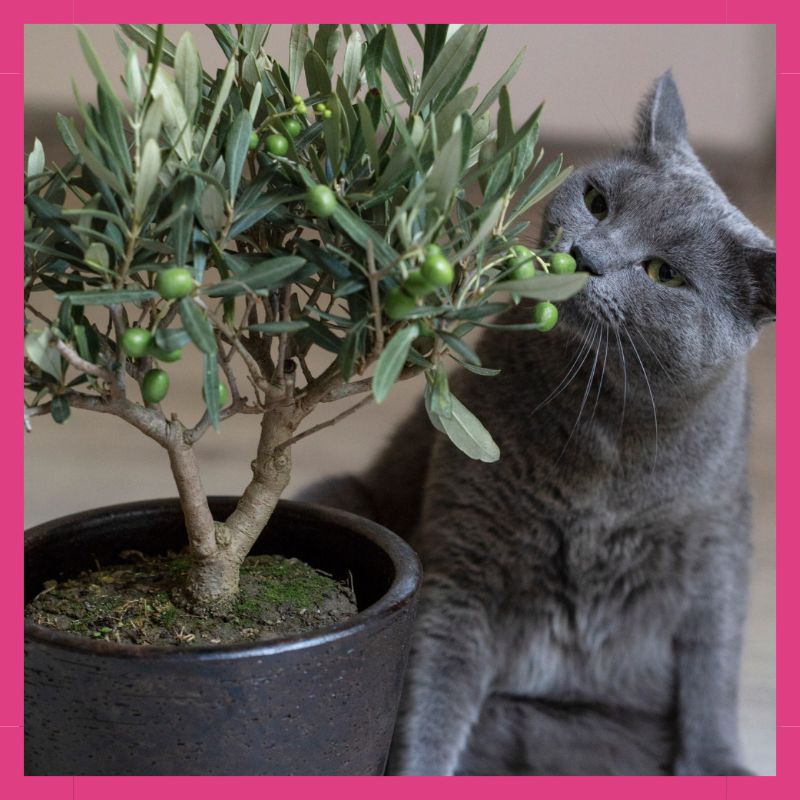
x,y
597,554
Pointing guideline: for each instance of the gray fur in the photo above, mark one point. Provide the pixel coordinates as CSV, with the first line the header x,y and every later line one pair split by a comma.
x,y
584,597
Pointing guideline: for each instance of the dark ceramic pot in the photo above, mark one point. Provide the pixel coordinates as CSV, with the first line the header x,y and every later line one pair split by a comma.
x,y
322,703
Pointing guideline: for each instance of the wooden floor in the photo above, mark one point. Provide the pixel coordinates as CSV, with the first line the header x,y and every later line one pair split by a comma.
x,y
94,460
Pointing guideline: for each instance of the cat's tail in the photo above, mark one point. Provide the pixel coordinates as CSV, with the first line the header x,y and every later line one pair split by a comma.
x,y
390,491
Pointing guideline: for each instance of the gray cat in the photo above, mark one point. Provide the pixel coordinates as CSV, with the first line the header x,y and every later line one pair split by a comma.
x,y
584,597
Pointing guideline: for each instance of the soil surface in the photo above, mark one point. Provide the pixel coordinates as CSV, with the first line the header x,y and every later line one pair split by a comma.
x,y
132,603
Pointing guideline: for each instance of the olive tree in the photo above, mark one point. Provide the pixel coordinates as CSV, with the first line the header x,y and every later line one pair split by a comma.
x,y
253,219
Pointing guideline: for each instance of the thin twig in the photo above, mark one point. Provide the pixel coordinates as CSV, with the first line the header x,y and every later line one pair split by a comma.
x,y
82,364
376,300
327,424
37,313
283,341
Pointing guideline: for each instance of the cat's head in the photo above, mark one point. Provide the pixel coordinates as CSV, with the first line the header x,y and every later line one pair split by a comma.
x,y
672,261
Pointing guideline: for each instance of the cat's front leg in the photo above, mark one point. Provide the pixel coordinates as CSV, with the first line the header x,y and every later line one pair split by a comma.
x,y
708,650
450,670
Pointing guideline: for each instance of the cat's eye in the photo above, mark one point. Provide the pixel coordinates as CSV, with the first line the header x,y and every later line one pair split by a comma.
x,y
660,272
596,203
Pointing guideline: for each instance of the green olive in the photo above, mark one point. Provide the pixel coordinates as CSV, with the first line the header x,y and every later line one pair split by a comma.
x,y
327,113
398,304
292,126
320,107
545,315
174,283
155,386
523,263
321,200
433,249
254,140
562,264
416,285
277,145
437,270
135,342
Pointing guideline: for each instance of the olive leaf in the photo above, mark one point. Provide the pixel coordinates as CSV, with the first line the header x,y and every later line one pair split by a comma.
x,y
467,433
390,363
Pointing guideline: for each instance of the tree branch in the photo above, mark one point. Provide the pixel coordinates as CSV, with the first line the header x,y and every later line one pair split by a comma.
x,y
82,364
326,424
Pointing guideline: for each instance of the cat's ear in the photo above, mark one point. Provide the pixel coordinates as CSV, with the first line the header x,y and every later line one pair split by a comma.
x,y
662,121
761,262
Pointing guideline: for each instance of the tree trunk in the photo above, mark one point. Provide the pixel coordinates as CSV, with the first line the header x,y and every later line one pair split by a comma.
x,y
212,582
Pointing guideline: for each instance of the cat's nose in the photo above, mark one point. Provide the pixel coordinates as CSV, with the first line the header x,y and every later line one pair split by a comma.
x,y
584,262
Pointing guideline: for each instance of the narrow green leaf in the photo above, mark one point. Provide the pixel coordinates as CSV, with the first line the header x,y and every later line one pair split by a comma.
x,y
460,348
236,147
361,232
441,401
92,161
551,177
455,52
148,176
265,275
444,175
107,298
543,286
188,74
322,335
211,386
352,348
212,208
299,45
133,77
484,371
197,326
172,338
272,328
484,230
36,159
435,37
219,103
317,78
390,363
503,81
353,56
373,59
368,132
94,65
393,64
505,126
147,37
467,433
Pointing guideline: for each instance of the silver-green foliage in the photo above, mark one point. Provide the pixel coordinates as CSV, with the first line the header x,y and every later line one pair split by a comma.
x,y
163,176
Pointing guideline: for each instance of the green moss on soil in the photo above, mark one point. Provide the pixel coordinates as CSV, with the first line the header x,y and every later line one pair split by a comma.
x,y
132,603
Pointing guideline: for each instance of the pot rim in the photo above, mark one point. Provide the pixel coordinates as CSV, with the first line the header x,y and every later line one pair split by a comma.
x,y
401,592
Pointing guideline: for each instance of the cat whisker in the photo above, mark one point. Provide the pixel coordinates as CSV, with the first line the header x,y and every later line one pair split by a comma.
x,y
586,394
602,375
624,381
652,399
573,368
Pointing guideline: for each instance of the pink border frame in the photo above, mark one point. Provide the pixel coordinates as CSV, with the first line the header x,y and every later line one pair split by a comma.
x,y
787,782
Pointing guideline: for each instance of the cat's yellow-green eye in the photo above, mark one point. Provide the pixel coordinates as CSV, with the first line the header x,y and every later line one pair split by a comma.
x,y
596,203
660,272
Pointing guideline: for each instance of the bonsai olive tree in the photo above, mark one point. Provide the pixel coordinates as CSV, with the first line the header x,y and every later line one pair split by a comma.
x,y
242,215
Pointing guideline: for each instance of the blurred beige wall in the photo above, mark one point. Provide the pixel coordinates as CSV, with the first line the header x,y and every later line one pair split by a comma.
x,y
591,76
